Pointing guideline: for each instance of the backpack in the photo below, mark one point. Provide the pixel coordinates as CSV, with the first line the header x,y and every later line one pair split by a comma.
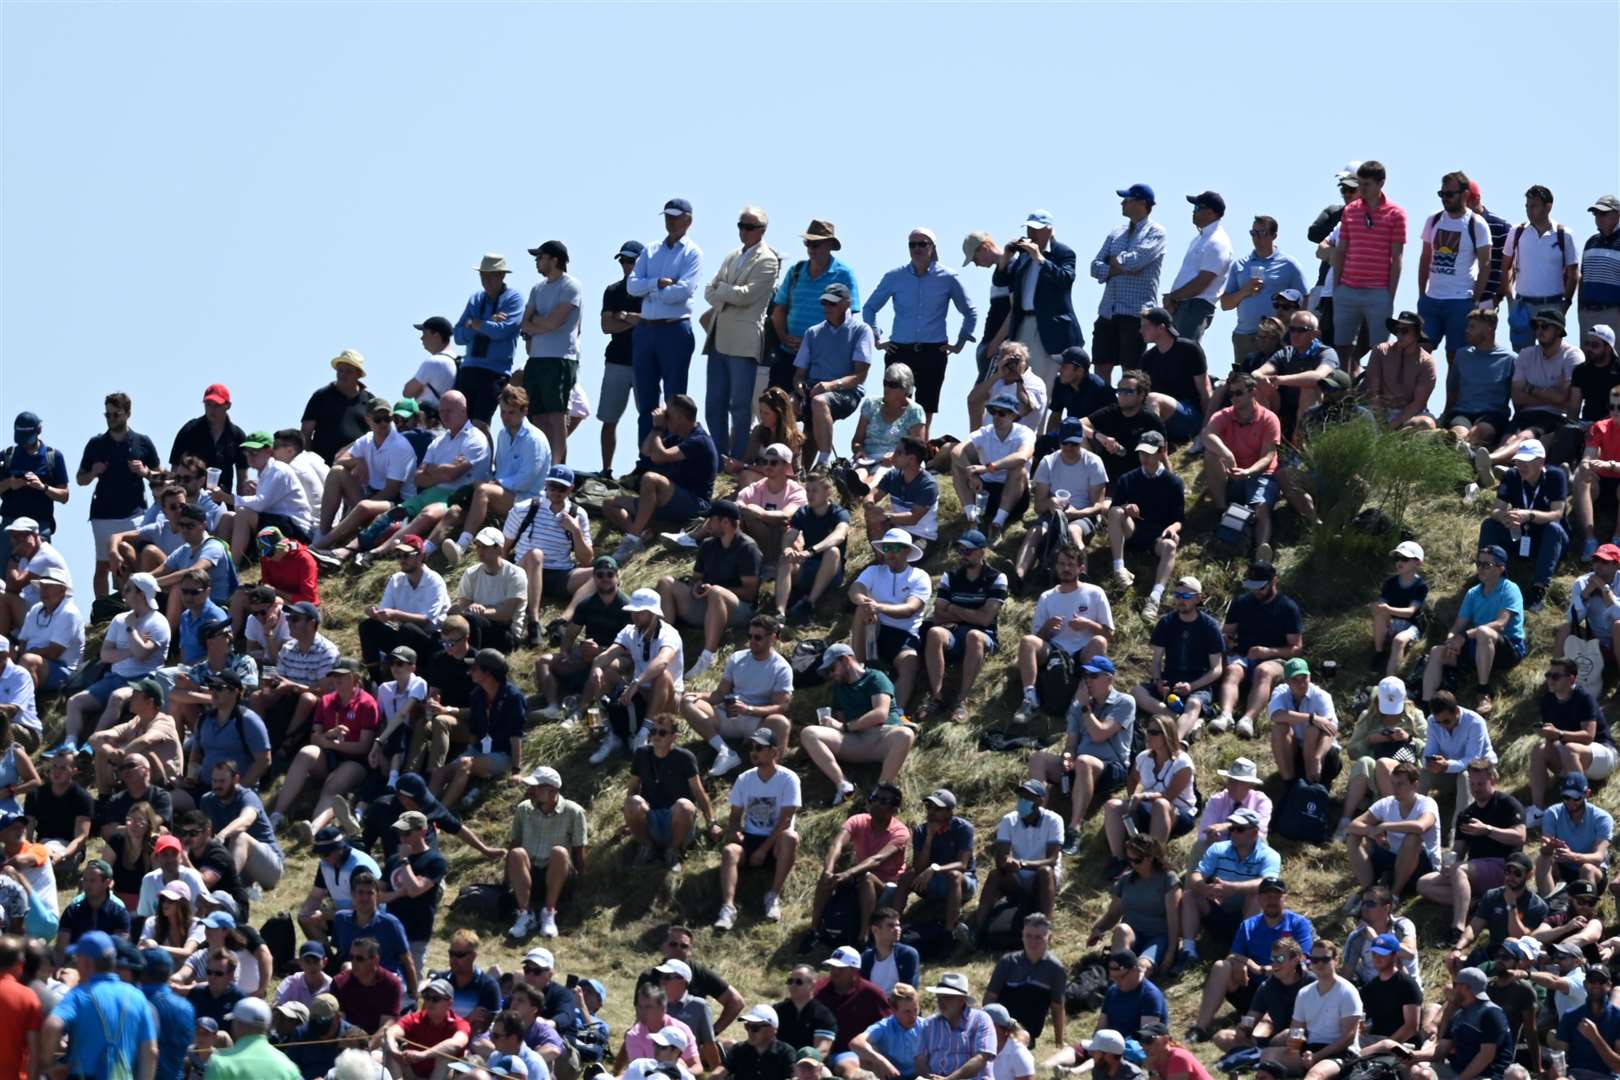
x,y
1588,656
282,939
592,493
1005,741
1305,814
1004,930
840,919
1088,983
932,940
805,660
1376,1067
1057,682
487,901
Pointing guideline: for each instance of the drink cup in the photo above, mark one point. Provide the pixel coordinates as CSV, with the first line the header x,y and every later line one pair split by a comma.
x,y
1257,272
213,479
1060,499
823,715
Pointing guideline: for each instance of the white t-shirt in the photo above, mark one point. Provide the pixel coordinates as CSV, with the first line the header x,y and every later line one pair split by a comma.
x,y
64,627
1454,244
1388,809
1037,397
758,682
254,632
644,651
992,447
1157,778
1084,480
762,801
393,460
1030,841
888,587
1323,1014
437,374
885,973
1210,250
46,557
1317,703
1086,600
310,470
1598,611
391,699
154,627
492,590
1013,1062
1539,259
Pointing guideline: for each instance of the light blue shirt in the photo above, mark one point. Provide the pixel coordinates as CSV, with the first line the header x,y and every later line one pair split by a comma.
x,y
1281,272
336,882
1223,862
492,345
469,443
1468,740
1582,836
920,303
192,650
1140,251
831,352
563,342
219,573
1479,608
522,460
90,1012
681,261
899,1044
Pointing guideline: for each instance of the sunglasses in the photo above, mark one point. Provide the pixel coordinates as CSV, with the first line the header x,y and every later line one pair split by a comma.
x,y
1281,957
407,553
1128,390
1485,562
218,971
1297,329
1553,676
1365,904
759,637
662,733
755,1027
749,225
797,982
918,244
191,592
1283,305
1444,194
447,642
1236,394
1321,959
1185,595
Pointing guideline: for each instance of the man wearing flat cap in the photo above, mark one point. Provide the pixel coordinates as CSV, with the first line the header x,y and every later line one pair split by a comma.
x,y
488,329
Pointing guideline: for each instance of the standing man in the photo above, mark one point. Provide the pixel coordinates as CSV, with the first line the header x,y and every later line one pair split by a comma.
x,y
1252,281
1323,232
1499,229
437,374
107,1022
1040,273
661,346
338,413
1541,266
922,289
1128,265
33,479
118,462
488,329
1366,262
1454,270
735,321
1600,268
1198,284
213,438
551,328
620,314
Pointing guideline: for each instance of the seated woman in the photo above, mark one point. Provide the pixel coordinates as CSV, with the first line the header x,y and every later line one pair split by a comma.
x,y
885,421
1144,915
346,723
129,851
1166,806
174,928
778,423
18,776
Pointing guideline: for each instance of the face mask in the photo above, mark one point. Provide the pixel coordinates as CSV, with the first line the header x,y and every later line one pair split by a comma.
x,y
1025,808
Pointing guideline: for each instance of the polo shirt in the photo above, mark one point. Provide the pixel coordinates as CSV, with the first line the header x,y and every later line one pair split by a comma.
x,y
906,496
492,345
1256,935
522,461
958,588
90,1011
815,528
857,1010
335,881
1174,370
992,447
339,420
888,586
830,352
384,927
1279,272
537,832
546,297
17,688
320,1047
1118,708
1084,479
616,297
956,843
800,291
1027,840
1492,909
1028,988
1603,437
366,1006
1082,399
1188,644
119,493
698,465
1582,1054
1224,862
866,839
601,620
1575,712
1162,498
45,462
508,582
948,1046
727,565
1539,258
1551,487
760,494
1479,607
196,438
79,918
1595,826
1368,237
237,738
644,648
428,596
1480,1024
1211,250
480,992
214,1006
192,649
176,1027
1219,806
897,1043
1245,440
65,627
1128,1010
1316,702
774,1063
422,1030
469,443
1600,270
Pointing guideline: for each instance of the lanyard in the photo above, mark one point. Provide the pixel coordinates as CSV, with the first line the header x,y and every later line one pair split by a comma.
x,y
1529,497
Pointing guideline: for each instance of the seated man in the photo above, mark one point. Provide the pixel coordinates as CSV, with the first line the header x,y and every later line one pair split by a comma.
x,y
1596,480
1545,397
876,844
371,476
1488,633
336,864
548,831
830,368
1290,379
1264,629
1073,616
768,504
1115,430
1329,1012
278,498
136,644
1240,458
50,640
864,725
1179,369
963,626
1590,1032
414,602
1148,507
1304,727
990,471
1029,983
522,462
1527,520
1270,1012
62,812
1389,731
754,692
1096,748
1226,881
1456,737
1399,835
813,550
497,713
642,667
1575,735
723,587
145,748
147,545
1028,856
1575,838
1594,604
1010,376
551,541
1071,499
241,824
764,801
943,860
29,557
665,796
890,1046
592,619
1475,1043
1479,382
1236,977
889,598
1186,662
493,595
302,664
1401,375
1511,910
678,483
912,494
1488,830
1076,394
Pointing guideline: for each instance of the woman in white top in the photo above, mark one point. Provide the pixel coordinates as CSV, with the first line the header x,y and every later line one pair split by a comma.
x,y
1165,803
1013,1061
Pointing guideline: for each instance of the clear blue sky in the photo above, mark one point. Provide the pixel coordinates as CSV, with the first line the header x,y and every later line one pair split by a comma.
x,y
201,192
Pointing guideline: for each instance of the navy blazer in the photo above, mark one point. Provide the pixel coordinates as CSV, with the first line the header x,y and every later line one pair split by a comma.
x,y
1054,310
906,962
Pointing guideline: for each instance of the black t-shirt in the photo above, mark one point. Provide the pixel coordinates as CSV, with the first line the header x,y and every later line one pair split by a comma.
x,y
616,297
746,1063
815,528
54,815
1477,1025
119,493
1083,400
698,466
452,678
415,913
1174,369
225,454
1264,623
1274,1001
206,1004
1404,596
1187,645
798,1028
601,621
217,857
1161,498
1501,811
1384,1000
1493,908
114,809
727,566
1127,430
339,419
1594,383
705,983
1576,713
664,779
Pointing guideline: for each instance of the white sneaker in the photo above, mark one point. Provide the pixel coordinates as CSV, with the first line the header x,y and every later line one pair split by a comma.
x,y
630,546
1125,578
548,923
773,907
724,761
610,746
343,814
642,736
679,539
523,927
845,790
451,551
1532,817
727,918
1221,724
1150,610
1245,727
1027,708
704,662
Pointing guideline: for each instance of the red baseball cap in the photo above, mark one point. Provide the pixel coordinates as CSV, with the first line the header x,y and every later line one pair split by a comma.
x,y
1608,553
217,395
412,541
167,842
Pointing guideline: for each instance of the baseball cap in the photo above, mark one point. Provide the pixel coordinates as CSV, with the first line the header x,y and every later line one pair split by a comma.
x,y
843,957
555,248
1495,551
1471,977
1243,817
942,798
1336,380
998,1014
630,249
294,1010
1391,695
763,736
544,776
1386,945
93,944
1293,296
1158,316
676,207
1188,583
1574,786
1150,442
405,408
1411,549
312,948
28,423
217,394
561,474
835,292
679,968
540,958
672,1037
219,920
1530,450
1076,355
258,440
1106,1041
1295,667
440,988
1138,191
1099,665
972,243
1039,219
972,540
1607,553
834,654
760,1014
250,1010
725,508
1072,431
1604,204
330,839
1210,200
436,323
489,536
1273,884
1600,333
167,842
1259,575
410,821
1035,789
158,964
1005,402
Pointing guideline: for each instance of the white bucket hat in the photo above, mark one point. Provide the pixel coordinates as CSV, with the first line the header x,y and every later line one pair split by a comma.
x,y
900,536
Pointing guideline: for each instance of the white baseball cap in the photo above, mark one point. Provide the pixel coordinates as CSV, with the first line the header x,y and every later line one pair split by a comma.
x,y
1391,696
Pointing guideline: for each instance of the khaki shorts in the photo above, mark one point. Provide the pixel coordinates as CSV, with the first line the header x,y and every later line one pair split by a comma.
x,y
870,746
735,727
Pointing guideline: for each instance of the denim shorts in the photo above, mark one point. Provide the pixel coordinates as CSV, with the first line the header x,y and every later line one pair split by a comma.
x,y
1445,320
938,885
1253,490
102,689
1184,423
56,674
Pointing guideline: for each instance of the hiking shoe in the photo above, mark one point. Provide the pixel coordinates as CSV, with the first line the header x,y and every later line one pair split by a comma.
x,y
1482,467
1124,578
548,923
301,832
531,634
727,917
1221,724
628,548
773,907
1027,708
724,761
1245,727
1071,842
1538,598
524,926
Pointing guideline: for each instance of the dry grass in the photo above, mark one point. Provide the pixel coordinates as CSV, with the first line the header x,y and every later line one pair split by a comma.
x,y
612,922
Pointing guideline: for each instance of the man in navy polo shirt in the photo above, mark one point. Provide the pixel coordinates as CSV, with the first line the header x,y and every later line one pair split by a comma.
x,y
942,859
1478,1030
1591,1033
117,462
681,463
33,479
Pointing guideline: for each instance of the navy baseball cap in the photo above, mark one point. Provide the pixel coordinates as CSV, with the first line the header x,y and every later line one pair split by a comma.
x,y
630,249
1495,552
1209,200
27,423
676,207
436,323
561,474
1072,430
972,540
1138,191
1076,355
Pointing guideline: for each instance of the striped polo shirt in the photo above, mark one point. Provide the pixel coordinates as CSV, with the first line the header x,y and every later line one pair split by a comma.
x,y
1367,236
1600,270
544,531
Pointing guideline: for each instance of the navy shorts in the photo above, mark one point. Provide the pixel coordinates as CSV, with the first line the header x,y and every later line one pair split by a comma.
x,y
893,640
1185,423
1508,654
1180,826
806,577
1383,861
682,507
959,635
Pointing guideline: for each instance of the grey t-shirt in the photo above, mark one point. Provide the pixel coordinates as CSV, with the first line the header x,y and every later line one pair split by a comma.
x,y
1120,709
757,682
563,342
694,1013
1143,898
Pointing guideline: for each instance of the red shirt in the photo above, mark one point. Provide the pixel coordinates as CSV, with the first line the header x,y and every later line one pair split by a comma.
x,y
19,1014
1246,440
866,840
360,714
1604,437
424,1033
856,1011
1367,237
293,574
366,1006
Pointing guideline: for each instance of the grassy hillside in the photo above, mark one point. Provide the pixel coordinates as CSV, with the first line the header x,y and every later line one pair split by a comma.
x,y
611,924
